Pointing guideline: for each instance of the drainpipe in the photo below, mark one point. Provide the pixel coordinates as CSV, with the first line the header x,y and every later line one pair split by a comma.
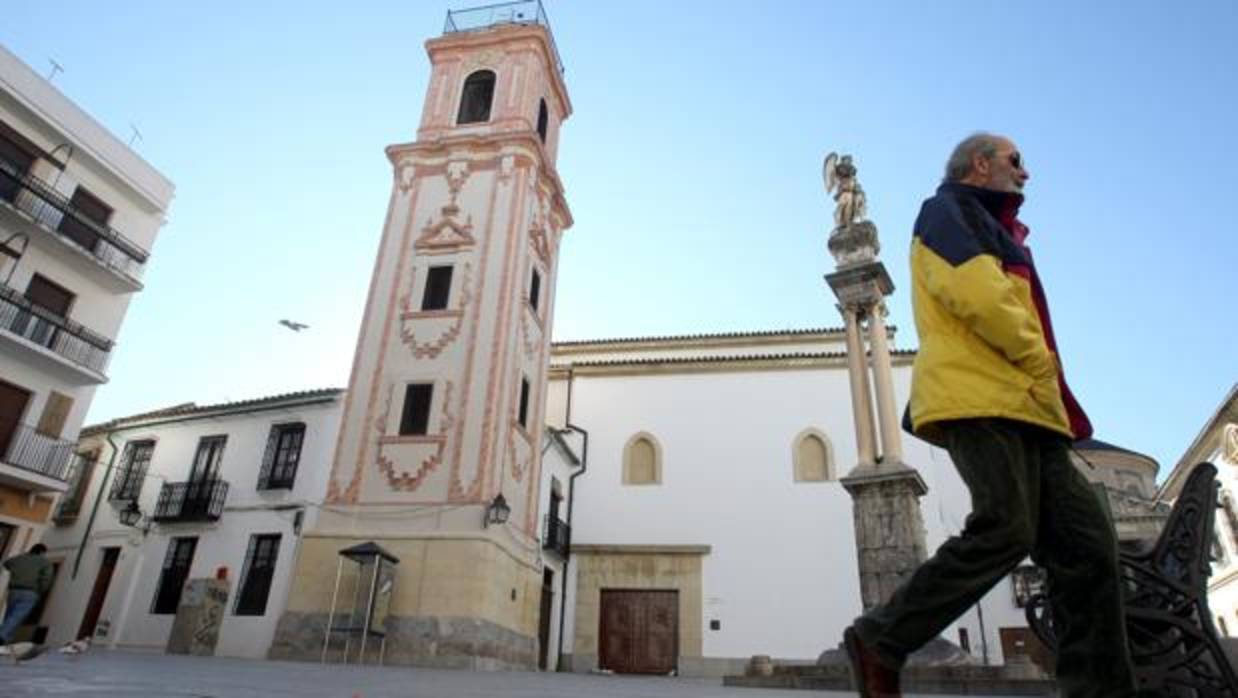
x,y
94,509
571,498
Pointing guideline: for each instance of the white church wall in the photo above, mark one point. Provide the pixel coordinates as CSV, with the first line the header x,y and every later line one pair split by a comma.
x,y
781,576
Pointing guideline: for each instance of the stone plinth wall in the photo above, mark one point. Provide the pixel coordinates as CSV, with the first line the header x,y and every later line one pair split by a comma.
x,y
456,602
445,643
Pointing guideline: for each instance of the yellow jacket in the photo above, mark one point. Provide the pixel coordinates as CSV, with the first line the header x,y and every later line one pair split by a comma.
x,y
986,341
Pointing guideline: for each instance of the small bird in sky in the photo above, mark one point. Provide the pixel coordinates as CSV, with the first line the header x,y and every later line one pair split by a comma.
x,y
294,326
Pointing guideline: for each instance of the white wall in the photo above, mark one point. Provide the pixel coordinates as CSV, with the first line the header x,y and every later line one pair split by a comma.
x,y
782,573
222,543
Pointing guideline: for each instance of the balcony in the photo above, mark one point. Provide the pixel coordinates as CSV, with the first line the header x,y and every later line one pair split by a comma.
x,y
194,501
486,16
556,536
83,350
38,202
35,462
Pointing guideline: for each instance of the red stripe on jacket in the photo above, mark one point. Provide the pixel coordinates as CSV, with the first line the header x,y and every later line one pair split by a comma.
x,y
1079,422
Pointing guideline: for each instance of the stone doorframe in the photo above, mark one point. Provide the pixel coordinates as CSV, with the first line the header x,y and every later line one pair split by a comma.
x,y
600,567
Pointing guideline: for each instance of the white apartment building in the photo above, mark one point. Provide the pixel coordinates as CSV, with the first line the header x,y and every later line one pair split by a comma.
x,y
183,493
79,212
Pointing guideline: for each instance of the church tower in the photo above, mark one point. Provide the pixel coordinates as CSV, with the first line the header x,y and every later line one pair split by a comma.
x,y
442,425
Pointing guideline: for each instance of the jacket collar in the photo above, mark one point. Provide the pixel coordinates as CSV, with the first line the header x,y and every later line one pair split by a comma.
x,y
1002,205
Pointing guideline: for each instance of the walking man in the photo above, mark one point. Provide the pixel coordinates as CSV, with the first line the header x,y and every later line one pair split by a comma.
x,y
30,577
988,386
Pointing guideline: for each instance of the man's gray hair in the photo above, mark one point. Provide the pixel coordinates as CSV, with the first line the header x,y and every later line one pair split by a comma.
x,y
960,163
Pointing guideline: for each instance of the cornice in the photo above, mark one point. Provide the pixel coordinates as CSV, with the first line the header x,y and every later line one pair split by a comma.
x,y
487,148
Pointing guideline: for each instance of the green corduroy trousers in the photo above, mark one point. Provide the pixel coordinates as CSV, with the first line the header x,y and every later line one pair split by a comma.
x,y
1027,499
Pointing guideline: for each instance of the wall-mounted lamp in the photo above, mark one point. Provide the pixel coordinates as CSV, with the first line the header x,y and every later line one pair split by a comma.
x,y
497,511
132,517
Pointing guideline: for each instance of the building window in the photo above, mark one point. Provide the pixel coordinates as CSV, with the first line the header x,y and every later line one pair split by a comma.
x,y
1028,580
1217,551
128,483
87,210
415,420
522,415
642,460
175,571
1231,518
47,298
256,576
438,289
543,117
476,98
71,503
16,157
55,414
283,453
206,461
812,457
535,289
7,531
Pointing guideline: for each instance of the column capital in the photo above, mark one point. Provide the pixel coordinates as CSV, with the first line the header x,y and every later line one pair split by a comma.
x,y
864,476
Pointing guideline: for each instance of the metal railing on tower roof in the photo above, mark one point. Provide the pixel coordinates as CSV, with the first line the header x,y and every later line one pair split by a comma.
x,y
486,16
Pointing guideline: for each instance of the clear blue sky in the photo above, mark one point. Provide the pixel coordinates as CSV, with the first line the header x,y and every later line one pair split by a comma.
x,y
692,165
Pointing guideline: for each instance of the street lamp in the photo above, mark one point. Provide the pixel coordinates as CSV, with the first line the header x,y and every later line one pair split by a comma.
x,y
497,511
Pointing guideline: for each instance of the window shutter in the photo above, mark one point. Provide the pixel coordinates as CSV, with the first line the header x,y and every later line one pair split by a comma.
x,y
268,459
55,414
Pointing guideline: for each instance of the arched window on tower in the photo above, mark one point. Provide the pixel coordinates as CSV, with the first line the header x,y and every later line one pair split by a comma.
x,y
476,98
813,457
542,117
642,460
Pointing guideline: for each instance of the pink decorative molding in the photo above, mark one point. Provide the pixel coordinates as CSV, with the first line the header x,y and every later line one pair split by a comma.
x,y
410,320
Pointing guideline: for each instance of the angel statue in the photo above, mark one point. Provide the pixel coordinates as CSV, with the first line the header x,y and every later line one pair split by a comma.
x,y
839,174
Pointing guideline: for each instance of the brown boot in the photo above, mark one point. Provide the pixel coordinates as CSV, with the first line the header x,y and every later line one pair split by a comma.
x,y
872,678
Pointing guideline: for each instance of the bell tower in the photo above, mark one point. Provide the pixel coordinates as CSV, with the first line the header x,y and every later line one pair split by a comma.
x,y
438,455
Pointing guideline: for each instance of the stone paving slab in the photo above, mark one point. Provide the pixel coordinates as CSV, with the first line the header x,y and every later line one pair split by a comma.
x,y
103,674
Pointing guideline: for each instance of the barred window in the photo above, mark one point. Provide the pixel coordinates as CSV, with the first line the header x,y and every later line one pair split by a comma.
x,y
176,566
257,574
283,453
128,483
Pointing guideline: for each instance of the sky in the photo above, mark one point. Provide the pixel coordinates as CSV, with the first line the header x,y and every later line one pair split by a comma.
x,y
692,167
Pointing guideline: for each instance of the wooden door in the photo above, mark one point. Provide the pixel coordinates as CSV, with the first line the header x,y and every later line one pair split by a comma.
x,y
639,631
12,406
547,609
98,594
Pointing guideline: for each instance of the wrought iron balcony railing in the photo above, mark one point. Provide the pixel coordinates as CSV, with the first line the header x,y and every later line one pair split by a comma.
x,y
196,500
39,200
556,536
39,453
63,336
486,16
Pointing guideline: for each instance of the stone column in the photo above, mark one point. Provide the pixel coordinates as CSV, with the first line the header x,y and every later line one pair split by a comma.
x,y
887,414
885,491
857,370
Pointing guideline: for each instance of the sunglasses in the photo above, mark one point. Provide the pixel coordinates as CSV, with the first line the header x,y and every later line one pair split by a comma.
x,y
1016,160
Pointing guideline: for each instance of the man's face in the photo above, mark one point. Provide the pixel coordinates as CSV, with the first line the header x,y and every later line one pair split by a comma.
x,y
1005,171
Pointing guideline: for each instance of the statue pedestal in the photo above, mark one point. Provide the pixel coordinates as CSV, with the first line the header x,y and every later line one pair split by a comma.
x,y
889,527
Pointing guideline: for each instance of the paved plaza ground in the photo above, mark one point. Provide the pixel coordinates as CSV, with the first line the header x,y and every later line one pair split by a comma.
x,y
102,674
